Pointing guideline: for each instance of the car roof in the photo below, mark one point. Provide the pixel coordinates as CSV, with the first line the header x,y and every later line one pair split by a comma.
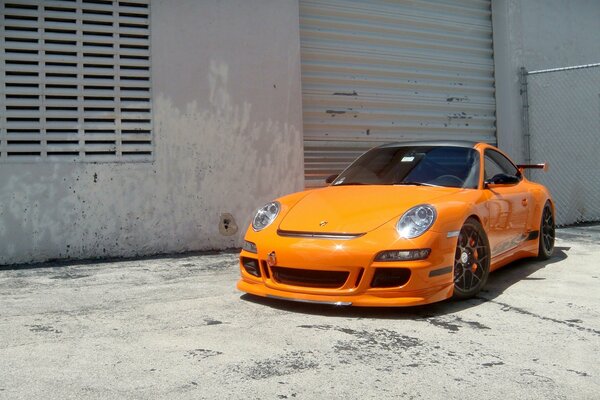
x,y
449,143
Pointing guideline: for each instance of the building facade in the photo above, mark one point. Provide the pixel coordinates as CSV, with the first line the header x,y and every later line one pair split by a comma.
x,y
140,127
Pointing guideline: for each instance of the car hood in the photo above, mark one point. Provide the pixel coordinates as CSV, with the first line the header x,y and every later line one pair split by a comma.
x,y
356,209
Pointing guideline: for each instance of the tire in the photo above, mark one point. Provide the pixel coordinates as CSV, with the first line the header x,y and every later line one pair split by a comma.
x,y
547,233
471,260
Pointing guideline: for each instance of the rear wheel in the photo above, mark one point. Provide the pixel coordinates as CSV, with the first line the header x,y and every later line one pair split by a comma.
x,y
547,233
471,260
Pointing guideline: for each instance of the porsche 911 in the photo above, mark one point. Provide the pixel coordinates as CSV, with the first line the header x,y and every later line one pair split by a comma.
x,y
405,224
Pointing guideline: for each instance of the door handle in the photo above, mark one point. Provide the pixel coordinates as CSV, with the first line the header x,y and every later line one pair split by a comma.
x,y
524,202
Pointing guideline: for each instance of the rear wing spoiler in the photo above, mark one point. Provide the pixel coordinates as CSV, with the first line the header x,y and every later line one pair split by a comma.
x,y
543,166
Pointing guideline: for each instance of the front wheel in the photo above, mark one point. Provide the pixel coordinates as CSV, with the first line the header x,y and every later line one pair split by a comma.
x,y
547,233
471,260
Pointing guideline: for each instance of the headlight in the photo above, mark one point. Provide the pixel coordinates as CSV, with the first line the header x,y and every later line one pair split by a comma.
x,y
265,215
416,221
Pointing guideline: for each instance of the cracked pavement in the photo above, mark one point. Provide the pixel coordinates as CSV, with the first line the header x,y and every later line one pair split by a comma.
x,y
176,327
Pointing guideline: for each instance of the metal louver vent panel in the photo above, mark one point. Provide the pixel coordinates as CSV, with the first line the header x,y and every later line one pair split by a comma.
x,y
381,71
75,81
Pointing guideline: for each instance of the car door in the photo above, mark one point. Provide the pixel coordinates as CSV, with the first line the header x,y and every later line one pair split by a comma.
x,y
508,202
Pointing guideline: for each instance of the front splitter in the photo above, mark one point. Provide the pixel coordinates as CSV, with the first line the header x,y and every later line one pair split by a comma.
x,y
329,303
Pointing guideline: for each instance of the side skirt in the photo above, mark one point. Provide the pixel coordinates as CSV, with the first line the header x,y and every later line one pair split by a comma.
x,y
524,250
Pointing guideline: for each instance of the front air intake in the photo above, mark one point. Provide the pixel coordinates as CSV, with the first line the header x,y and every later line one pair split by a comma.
x,y
251,266
390,277
309,277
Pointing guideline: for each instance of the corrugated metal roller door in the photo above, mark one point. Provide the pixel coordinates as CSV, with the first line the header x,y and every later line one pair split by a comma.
x,y
382,71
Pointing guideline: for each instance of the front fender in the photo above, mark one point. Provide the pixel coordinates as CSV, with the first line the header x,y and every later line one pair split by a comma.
x,y
452,213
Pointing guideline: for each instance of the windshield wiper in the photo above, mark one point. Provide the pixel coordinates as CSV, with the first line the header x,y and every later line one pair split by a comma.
x,y
349,184
415,183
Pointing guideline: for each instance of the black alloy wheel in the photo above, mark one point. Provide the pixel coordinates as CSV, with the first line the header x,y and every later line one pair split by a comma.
x,y
471,260
547,233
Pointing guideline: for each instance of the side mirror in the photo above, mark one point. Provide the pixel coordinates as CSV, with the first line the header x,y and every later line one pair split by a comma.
x,y
502,180
331,178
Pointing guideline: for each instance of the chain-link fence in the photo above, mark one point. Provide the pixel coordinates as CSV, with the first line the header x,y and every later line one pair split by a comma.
x,y
562,128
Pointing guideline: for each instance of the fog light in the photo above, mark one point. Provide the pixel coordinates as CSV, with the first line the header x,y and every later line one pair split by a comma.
x,y
403,255
250,247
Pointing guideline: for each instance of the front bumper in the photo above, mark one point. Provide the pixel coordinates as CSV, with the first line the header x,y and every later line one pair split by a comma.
x,y
430,280
358,299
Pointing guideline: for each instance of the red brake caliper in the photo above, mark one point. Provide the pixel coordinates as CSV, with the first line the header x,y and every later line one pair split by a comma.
x,y
475,255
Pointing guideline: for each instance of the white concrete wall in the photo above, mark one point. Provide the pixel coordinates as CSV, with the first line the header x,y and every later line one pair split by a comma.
x,y
537,34
227,132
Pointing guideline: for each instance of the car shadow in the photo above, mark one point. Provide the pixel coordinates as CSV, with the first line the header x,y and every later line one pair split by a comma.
x,y
497,283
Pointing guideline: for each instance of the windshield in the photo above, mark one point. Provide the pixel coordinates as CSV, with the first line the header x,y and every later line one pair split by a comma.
x,y
414,165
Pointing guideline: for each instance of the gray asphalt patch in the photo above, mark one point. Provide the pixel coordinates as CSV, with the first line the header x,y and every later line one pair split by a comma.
x,y
176,327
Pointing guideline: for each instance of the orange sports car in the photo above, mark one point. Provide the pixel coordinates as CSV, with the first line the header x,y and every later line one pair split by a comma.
x,y
404,224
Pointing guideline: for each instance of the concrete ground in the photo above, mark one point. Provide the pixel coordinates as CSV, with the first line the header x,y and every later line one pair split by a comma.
x,y
177,328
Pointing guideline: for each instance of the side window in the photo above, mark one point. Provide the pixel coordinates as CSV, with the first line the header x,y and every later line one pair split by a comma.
x,y
496,163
